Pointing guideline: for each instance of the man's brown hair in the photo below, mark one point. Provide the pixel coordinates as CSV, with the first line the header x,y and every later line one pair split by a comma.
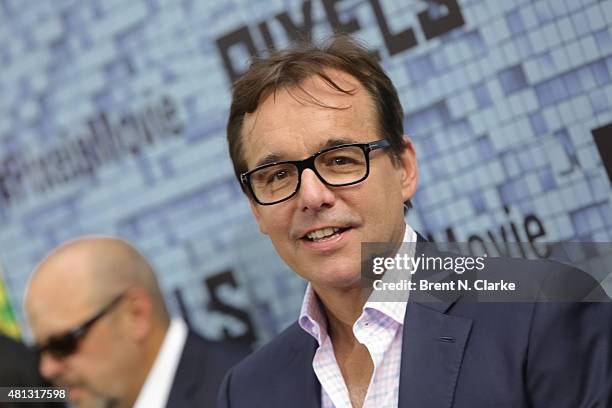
x,y
288,68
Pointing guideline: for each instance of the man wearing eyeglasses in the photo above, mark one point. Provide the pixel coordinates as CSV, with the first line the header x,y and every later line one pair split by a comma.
x,y
99,319
316,139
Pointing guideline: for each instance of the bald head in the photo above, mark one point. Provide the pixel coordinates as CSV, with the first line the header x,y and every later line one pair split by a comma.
x,y
90,271
108,280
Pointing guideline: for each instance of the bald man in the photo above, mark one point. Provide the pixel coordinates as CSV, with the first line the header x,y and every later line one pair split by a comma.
x,y
97,313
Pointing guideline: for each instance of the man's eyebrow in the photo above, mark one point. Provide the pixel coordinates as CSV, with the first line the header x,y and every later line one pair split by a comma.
x,y
273,157
335,142
267,159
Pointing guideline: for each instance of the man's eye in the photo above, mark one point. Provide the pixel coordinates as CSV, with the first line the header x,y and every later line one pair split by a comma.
x,y
277,176
341,161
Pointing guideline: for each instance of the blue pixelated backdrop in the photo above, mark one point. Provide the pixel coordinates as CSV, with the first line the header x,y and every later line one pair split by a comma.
x,y
112,118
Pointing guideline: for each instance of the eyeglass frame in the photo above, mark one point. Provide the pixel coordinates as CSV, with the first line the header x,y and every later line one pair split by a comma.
x,y
74,336
309,163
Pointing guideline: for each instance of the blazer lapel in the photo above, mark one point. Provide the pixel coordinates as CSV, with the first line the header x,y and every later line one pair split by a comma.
x,y
298,382
433,344
432,350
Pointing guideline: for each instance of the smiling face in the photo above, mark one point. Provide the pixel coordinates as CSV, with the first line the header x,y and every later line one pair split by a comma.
x,y
319,231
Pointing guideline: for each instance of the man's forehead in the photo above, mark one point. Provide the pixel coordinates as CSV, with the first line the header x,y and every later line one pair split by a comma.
x,y
59,296
287,117
49,317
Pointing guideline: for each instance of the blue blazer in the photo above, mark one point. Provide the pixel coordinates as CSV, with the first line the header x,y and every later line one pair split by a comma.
x,y
463,354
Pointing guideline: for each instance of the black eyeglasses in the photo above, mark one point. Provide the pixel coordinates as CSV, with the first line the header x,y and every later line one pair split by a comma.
x,y
63,345
337,166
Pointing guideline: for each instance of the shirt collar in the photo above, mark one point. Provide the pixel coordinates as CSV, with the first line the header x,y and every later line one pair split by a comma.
x,y
395,309
312,318
156,389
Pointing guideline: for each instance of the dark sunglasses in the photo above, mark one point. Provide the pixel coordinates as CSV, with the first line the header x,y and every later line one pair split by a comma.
x,y
62,346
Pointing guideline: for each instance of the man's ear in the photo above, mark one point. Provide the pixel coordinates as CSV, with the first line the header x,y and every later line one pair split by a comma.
x,y
139,313
255,210
409,169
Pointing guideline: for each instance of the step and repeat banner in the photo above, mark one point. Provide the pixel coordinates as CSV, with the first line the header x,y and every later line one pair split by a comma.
x,y
112,117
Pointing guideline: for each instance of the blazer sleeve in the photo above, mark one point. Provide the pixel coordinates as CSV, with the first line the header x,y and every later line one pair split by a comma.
x,y
569,360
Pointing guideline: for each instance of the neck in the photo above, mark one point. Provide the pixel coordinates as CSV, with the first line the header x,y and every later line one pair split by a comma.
x,y
342,308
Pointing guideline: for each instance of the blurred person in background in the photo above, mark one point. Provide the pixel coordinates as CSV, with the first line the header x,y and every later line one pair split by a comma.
x,y
99,319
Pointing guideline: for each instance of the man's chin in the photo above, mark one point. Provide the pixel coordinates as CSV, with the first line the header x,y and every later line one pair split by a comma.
x,y
337,278
78,395
81,397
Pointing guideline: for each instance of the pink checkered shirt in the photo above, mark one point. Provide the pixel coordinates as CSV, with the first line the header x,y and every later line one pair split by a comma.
x,y
379,328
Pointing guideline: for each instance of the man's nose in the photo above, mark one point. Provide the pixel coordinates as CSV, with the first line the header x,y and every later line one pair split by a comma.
x,y
314,194
51,367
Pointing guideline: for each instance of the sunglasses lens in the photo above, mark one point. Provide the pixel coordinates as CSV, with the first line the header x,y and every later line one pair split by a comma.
x,y
61,346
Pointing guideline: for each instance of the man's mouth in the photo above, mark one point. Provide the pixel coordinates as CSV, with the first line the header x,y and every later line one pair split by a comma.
x,y
323,234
